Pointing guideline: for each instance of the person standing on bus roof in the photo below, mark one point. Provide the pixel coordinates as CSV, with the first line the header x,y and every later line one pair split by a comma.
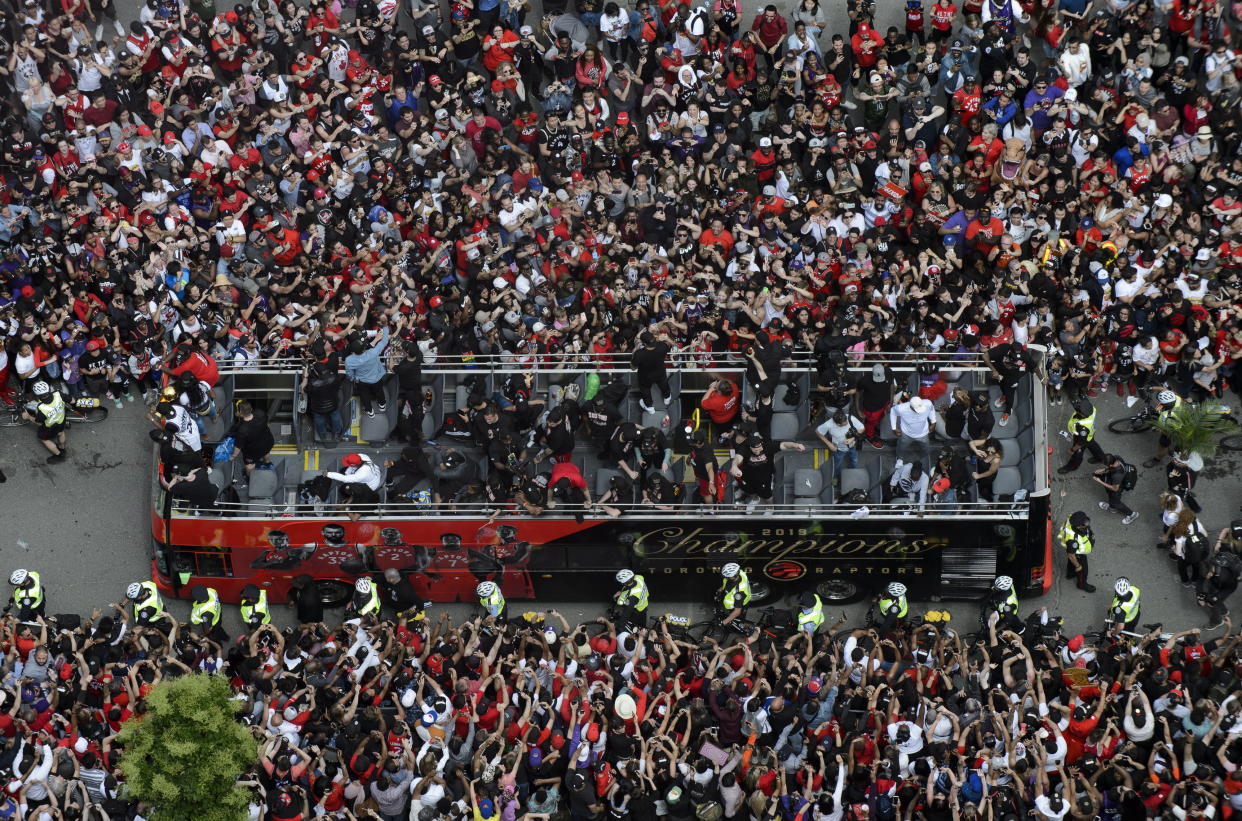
x,y
205,613
147,603
1077,539
365,367
29,595
253,607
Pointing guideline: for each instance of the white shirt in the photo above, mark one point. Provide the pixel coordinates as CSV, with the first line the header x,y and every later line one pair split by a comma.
x,y
906,420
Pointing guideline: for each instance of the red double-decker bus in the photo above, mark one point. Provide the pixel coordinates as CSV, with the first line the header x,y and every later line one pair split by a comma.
x,y
814,534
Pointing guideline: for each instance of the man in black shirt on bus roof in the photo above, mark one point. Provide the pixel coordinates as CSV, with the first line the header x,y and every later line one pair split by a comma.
x,y
649,363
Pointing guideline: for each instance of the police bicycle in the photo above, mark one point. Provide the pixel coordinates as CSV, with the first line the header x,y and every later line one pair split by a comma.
x,y
81,410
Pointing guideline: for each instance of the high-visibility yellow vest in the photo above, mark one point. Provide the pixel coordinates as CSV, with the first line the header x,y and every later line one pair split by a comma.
x,y
1082,424
636,591
886,604
147,607
1081,541
494,604
736,595
53,410
29,598
1177,403
258,609
1010,604
373,604
812,619
207,612
1130,607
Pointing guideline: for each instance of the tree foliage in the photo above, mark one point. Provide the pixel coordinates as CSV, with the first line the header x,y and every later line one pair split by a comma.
x,y
184,756
1196,427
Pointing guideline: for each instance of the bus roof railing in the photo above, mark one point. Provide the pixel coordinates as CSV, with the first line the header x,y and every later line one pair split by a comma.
x,y
678,360
638,512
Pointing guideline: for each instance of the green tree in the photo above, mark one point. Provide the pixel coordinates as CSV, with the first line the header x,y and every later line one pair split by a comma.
x,y
1196,427
184,756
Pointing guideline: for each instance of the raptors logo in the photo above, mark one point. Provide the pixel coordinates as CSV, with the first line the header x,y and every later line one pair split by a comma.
x,y
784,570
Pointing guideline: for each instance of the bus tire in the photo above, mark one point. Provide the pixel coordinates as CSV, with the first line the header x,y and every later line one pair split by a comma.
x,y
760,592
839,591
333,593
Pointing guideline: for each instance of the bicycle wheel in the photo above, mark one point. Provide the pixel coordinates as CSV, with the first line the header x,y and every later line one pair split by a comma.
x,y
1132,424
87,414
1232,442
703,630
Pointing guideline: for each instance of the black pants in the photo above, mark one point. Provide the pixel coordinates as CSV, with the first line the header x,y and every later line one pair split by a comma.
x,y
646,383
1116,504
1075,458
1188,572
1080,574
370,393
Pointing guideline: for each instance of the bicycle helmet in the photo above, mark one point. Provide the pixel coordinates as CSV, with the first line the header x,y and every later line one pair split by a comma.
x,y
278,539
485,589
333,534
624,576
391,536
1003,583
1121,586
1166,397
896,590
40,388
18,577
363,586
133,591
730,570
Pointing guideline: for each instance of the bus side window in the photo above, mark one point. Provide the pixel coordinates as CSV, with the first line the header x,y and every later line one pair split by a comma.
x,y
203,562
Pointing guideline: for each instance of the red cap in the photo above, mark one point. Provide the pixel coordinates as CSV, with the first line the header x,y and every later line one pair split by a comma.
x,y
623,118
737,661
436,301
869,144
144,130
312,176
942,484
147,218
950,334
577,176
319,192
28,291
435,79
123,147
170,137
1075,644
351,460
231,16
497,85
592,732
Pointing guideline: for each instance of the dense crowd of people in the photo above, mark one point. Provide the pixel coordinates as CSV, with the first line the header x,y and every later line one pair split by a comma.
x,y
364,189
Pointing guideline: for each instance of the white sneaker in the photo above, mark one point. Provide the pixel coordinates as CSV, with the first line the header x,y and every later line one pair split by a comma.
x,y
1103,505
1131,401
751,505
862,513
1127,519
646,408
999,403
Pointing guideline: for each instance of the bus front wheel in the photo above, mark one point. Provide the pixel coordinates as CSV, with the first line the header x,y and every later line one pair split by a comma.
x,y
332,592
839,591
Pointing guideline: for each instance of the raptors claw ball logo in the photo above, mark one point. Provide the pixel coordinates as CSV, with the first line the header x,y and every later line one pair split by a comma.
x,y
784,570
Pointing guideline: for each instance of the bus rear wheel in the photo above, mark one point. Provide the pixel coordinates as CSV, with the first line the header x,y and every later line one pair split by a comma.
x,y
839,591
333,593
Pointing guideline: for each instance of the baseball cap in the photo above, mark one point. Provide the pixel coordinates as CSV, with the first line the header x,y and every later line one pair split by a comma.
x,y
320,192
429,30
144,130
765,142
351,460
623,118
170,137
526,31
877,373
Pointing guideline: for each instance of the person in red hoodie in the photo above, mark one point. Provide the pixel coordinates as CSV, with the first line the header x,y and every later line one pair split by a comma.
x,y
867,45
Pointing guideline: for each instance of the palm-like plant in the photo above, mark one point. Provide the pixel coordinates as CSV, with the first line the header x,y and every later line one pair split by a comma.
x,y
1197,428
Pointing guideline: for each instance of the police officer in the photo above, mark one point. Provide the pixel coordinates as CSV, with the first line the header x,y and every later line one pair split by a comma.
x,y
1080,430
734,593
253,606
632,599
811,613
147,603
49,413
1166,403
29,597
892,606
1078,540
1003,600
366,599
492,600
1124,610
205,613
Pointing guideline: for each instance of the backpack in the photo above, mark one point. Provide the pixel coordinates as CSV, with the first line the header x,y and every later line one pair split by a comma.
x,y
1228,565
709,811
1129,476
1196,549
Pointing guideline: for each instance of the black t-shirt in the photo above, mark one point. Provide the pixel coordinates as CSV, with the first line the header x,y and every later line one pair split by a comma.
x,y
649,361
872,395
